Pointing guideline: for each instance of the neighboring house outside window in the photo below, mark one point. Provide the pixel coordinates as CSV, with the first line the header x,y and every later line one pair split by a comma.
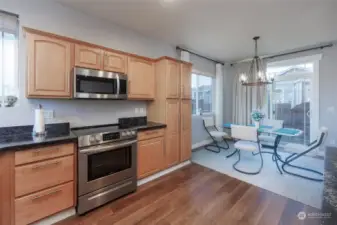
x,y
202,94
9,84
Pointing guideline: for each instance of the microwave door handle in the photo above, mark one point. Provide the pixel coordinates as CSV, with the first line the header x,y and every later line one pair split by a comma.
x,y
118,85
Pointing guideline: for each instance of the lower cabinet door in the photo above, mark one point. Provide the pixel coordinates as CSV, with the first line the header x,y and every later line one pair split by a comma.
x,y
172,151
150,156
41,204
186,145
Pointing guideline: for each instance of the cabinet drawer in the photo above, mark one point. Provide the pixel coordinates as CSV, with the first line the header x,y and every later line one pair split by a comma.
x,y
144,135
39,205
38,154
37,176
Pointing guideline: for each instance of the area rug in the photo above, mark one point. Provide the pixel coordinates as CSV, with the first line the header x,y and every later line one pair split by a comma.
x,y
299,189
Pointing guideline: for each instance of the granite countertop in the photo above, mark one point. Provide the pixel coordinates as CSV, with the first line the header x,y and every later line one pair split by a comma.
x,y
18,138
151,126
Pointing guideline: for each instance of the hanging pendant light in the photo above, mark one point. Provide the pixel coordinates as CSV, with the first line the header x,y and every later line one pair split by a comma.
x,y
257,75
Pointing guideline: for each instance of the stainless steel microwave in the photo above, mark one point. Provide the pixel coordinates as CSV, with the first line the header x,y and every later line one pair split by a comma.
x,y
97,84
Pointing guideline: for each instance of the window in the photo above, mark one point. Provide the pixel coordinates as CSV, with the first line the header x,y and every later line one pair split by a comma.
x,y
9,88
202,94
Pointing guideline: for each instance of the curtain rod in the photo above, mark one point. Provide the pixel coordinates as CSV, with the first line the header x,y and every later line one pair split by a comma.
x,y
9,13
186,50
293,52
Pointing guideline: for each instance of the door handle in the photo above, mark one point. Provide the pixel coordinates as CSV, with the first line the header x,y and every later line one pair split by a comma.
x,y
129,86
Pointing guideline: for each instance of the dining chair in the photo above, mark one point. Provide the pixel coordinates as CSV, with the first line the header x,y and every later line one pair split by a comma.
x,y
305,150
216,135
246,139
268,140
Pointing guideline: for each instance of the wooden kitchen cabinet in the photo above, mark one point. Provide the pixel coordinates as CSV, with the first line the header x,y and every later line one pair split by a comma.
x,y
141,78
88,57
150,156
186,130
172,79
36,183
172,151
115,62
186,70
48,67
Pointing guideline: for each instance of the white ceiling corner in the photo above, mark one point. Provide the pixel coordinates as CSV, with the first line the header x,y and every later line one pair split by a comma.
x,y
222,29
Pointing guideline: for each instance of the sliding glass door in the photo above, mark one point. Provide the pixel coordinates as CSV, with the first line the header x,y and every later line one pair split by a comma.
x,y
293,98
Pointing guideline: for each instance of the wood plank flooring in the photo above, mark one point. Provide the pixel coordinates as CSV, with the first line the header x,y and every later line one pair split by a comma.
x,y
200,196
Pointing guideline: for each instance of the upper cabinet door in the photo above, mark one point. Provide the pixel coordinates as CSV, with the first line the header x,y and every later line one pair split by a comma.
x,y
114,62
88,57
172,79
141,79
186,71
49,67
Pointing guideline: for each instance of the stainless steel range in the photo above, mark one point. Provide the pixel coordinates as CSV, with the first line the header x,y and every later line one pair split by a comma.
x,y
107,165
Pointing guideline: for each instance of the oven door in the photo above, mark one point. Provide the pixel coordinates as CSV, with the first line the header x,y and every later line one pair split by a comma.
x,y
98,84
103,165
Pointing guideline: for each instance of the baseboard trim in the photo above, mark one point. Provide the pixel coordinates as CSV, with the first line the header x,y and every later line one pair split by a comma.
x,y
202,143
57,217
162,173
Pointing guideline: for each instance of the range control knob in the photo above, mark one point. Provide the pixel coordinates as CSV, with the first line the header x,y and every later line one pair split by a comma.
x,y
133,132
128,133
98,137
123,134
92,139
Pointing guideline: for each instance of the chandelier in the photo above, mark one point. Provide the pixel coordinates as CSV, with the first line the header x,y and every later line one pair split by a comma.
x,y
257,75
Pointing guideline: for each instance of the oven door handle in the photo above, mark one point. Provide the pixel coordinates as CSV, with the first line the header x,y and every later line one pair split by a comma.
x,y
105,148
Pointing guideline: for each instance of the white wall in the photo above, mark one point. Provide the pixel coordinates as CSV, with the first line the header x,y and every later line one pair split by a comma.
x,y
52,17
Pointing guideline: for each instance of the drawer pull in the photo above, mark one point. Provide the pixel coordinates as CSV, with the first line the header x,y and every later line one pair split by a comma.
x,y
151,132
38,197
46,165
46,152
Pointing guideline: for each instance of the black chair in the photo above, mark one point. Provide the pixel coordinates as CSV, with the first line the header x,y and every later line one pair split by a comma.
x,y
216,135
305,150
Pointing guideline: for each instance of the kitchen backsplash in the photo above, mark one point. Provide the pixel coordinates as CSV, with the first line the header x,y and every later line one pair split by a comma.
x,y
76,112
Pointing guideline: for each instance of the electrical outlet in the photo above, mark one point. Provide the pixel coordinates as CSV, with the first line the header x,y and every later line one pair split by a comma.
x,y
333,142
136,110
48,114
141,110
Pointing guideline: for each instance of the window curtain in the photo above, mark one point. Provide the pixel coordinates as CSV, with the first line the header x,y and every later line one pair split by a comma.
x,y
219,95
246,99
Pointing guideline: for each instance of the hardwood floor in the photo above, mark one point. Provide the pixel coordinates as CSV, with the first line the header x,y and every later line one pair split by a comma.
x,y
201,196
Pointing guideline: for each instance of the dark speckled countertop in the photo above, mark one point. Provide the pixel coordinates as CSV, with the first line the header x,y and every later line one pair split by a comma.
x,y
20,137
151,126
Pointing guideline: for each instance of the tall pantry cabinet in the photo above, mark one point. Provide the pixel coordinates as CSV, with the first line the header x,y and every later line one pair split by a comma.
x,y
172,106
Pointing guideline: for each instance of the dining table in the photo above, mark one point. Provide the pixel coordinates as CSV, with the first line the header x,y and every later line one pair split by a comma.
x,y
278,133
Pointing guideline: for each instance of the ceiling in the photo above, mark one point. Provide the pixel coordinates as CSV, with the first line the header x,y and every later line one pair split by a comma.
x,y
223,29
